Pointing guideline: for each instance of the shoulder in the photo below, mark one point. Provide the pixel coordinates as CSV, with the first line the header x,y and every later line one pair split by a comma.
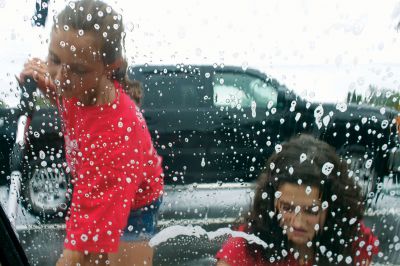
x,y
236,251
366,244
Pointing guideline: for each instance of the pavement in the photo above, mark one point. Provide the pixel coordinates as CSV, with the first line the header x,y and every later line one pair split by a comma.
x,y
42,240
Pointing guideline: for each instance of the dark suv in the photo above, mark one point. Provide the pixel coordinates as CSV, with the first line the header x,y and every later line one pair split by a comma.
x,y
214,124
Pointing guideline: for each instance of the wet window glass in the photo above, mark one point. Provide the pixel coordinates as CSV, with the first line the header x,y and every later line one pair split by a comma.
x,y
201,133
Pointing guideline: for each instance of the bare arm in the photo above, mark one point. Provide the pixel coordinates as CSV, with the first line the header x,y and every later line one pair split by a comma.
x,y
37,69
73,257
222,263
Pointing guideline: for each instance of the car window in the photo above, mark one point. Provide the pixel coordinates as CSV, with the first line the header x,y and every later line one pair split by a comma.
x,y
239,90
176,90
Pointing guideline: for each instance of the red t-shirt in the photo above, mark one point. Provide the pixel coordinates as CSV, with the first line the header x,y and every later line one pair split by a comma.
x,y
114,166
235,252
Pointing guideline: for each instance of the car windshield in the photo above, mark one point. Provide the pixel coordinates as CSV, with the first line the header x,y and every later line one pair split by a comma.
x,y
209,132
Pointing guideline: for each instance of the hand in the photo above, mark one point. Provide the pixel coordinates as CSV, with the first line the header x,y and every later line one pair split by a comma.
x,y
37,69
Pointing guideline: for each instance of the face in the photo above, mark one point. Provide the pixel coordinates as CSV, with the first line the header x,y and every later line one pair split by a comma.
x,y
301,214
74,63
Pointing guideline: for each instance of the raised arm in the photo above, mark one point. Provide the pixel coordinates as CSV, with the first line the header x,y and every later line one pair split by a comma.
x,y
37,69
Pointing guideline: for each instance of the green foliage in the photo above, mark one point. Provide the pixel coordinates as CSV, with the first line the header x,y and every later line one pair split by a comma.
x,y
376,97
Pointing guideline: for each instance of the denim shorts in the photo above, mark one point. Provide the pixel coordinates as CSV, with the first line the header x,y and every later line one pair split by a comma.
x,y
142,223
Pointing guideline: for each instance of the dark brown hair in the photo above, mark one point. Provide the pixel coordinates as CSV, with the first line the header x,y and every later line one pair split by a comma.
x,y
101,19
302,158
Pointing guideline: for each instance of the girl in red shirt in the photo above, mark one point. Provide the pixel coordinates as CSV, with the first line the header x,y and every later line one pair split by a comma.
x,y
117,174
306,209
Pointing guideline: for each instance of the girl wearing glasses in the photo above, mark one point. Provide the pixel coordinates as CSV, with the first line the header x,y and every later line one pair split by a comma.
x,y
306,209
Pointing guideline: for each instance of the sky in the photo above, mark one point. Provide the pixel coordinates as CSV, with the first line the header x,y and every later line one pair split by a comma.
x,y
320,49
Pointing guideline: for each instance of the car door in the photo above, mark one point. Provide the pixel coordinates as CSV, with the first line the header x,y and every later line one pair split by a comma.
x,y
248,123
174,106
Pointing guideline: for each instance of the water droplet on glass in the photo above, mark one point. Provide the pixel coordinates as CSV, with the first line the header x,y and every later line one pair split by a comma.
x,y
316,227
278,194
368,163
84,237
319,111
308,190
272,166
327,168
303,157
278,148
203,162
291,170
342,107
364,120
384,124
297,117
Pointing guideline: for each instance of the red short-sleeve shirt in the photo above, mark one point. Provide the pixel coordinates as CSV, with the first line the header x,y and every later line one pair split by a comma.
x,y
235,252
114,166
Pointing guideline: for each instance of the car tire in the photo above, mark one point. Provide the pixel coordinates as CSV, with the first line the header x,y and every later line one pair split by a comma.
x,y
46,189
361,165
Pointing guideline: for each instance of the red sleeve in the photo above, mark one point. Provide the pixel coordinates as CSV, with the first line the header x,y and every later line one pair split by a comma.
x,y
365,246
153,183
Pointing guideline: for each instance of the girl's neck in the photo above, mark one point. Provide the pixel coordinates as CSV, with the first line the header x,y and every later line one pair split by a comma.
x,y
306,254
105,93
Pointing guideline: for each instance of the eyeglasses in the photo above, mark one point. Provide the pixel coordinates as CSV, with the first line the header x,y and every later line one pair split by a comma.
x,y
289,208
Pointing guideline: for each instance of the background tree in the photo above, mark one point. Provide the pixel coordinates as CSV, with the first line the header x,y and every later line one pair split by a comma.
x,y
376,97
